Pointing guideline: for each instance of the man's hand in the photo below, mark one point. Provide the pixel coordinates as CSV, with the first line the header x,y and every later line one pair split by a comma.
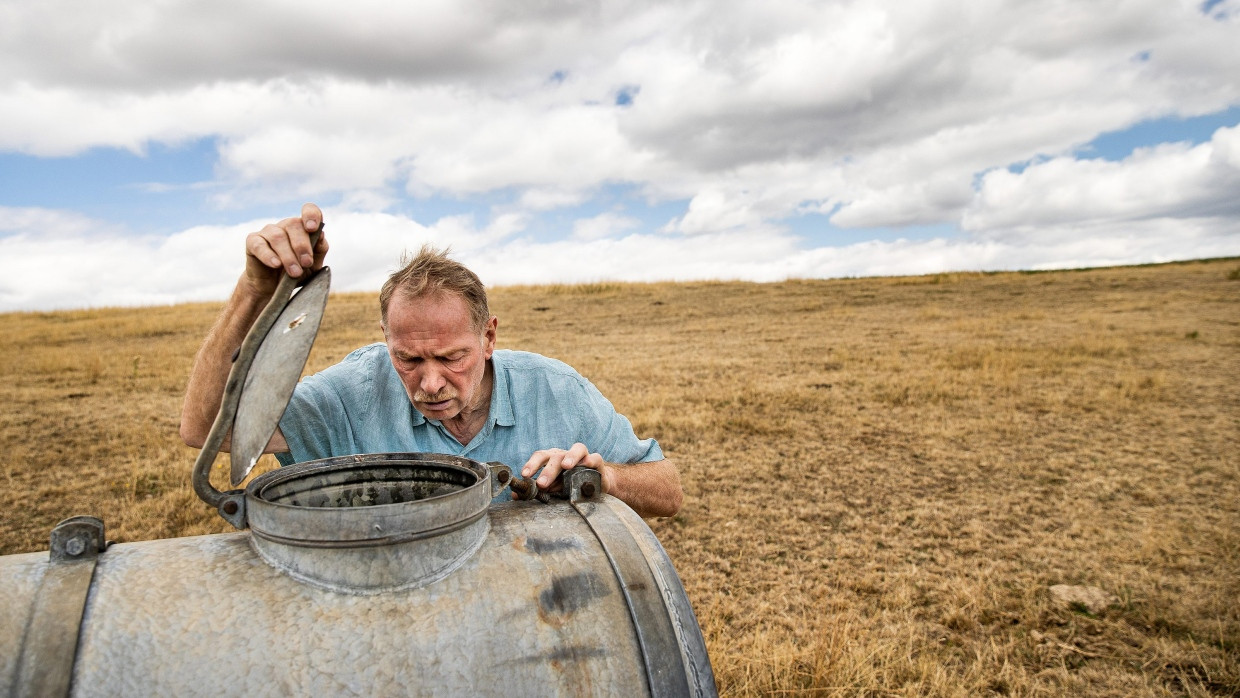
x,y
284,247
553,461
650,489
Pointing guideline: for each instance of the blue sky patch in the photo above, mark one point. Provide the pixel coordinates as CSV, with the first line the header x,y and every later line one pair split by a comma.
x,y
816,230
165,190
1117,145
625,96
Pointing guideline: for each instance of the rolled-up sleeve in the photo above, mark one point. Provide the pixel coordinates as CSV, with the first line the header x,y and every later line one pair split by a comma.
x,y
609,433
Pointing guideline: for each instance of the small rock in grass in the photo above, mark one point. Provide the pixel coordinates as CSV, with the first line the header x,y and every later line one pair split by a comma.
x,y
1091,599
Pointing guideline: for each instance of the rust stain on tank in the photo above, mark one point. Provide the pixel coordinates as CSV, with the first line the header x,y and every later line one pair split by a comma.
x,y
573,663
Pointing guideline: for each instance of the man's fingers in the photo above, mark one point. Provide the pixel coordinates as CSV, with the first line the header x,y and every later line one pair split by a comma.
x,y
312,220
311,217
259,248
550,460
299,241
284,247
554,461
551,470
534,463
288,240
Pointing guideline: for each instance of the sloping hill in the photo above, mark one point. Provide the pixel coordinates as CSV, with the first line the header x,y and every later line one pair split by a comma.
x,y
884,476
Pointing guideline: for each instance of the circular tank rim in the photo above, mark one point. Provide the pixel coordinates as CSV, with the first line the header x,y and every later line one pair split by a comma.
x,y
377,524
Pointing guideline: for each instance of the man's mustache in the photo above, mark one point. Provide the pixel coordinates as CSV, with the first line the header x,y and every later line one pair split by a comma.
x,y
438,397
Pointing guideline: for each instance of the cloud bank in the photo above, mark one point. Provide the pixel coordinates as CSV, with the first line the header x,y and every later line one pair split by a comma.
x,y
770,130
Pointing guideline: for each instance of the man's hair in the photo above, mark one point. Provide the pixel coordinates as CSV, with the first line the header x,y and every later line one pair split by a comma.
x,y
430,273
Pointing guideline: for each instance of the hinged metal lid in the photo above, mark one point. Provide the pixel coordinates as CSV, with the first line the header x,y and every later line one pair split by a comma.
x,y
272,377
264,373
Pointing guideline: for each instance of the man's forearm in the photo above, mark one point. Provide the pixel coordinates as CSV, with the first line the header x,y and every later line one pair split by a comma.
x,y
650,489
213,362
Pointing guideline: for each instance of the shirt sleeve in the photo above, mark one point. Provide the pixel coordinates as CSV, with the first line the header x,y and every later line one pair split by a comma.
x,y
315,423
609,433
318,422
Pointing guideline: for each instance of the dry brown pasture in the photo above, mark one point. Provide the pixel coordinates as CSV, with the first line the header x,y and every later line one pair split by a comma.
x,y
883,476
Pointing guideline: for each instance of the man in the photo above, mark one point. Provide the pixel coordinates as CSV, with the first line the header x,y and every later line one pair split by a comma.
x,y
437,385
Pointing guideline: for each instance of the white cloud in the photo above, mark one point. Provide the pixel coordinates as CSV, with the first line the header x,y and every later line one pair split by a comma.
x,y
1062,197
536,199
602,226
713,210
47,223
457,98
90,267
878,114
143,44
77,268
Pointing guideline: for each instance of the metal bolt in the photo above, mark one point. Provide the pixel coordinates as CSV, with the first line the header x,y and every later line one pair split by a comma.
x,y
502,476
587,490
230,507
75,547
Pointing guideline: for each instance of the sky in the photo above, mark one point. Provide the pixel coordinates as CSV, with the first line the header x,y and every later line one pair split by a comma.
x,y
568,142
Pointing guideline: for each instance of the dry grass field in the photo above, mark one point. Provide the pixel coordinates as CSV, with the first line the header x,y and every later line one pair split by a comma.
x,y
883,476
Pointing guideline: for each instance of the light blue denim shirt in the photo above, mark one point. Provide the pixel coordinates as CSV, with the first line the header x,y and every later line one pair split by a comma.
x,y
360,406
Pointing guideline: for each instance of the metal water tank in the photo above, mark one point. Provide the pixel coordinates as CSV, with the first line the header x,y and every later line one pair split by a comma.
x,y
379,574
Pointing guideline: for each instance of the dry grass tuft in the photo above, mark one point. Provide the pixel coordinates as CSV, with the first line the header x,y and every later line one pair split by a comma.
x,y
884,476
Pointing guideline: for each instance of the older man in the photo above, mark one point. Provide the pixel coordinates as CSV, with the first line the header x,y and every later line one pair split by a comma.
x,y
437,385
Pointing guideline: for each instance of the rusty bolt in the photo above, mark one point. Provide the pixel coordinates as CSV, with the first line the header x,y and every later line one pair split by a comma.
x,y
502,476
230,507
523,489
75,547
587,490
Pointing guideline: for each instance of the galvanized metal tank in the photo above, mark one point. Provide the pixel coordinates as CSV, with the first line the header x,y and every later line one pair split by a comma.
x,y
572,597
377,574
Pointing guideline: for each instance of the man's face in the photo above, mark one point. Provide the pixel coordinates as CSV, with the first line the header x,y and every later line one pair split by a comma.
x,y
439,356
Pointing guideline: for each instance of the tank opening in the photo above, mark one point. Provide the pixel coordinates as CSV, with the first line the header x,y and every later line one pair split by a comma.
x,y
368,485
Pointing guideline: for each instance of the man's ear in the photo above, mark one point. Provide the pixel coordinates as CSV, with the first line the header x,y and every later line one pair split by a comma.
x,y
488,336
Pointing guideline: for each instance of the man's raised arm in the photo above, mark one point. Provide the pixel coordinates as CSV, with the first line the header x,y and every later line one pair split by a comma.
x,y
276,249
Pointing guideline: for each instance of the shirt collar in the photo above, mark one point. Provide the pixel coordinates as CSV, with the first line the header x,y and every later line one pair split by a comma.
x,y
415,417
501,394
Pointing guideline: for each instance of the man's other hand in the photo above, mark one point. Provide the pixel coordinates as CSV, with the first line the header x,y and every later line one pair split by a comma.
x,y
554,461
284,247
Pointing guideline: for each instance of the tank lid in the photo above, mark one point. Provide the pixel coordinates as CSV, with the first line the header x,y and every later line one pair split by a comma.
x,y
264,372
272,377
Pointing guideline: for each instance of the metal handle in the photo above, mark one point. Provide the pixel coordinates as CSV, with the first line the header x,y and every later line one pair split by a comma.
x,y
49,647
501,477
576,484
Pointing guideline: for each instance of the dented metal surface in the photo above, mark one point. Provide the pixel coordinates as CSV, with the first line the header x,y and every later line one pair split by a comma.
x,y
536,610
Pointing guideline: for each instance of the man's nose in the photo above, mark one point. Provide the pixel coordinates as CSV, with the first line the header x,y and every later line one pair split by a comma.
x,y
432,381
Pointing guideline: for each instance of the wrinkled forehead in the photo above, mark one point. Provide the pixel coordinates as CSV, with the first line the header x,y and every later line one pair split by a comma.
x,y
443,315
407,295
